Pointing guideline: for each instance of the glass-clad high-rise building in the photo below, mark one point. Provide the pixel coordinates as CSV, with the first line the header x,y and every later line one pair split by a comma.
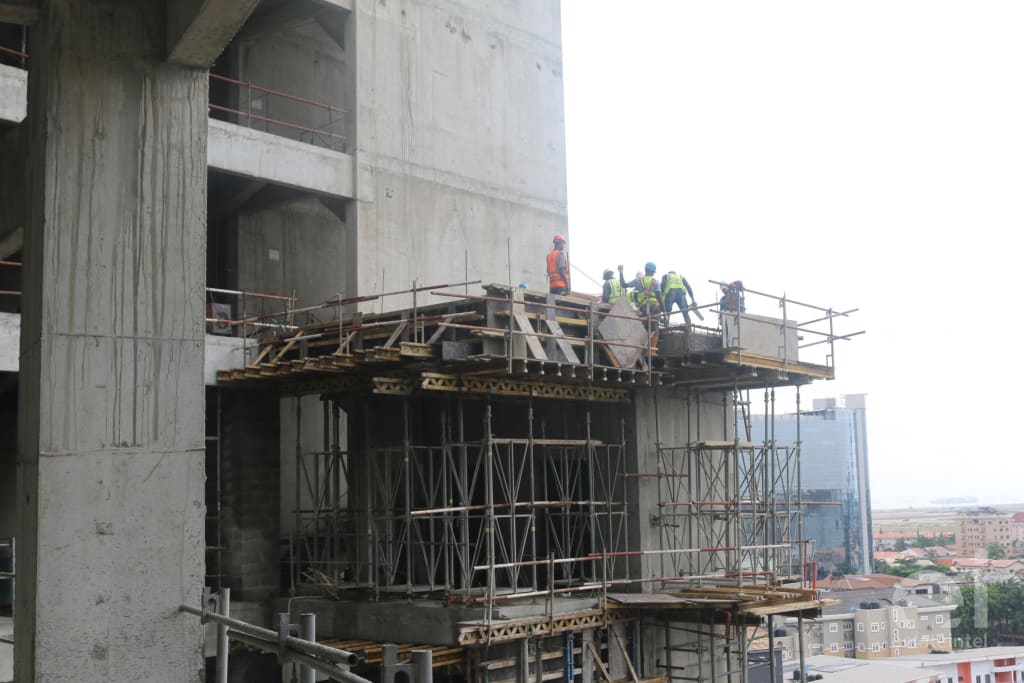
x,y
834,478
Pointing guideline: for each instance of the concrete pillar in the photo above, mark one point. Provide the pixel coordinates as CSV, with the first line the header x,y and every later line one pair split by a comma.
x,y
110,456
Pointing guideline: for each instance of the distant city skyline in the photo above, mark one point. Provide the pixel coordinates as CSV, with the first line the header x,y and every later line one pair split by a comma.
x,y
834,467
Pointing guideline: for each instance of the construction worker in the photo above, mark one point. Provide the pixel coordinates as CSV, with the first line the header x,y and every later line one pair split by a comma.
x,y
648,297
613,289
674,289
732,300
558,267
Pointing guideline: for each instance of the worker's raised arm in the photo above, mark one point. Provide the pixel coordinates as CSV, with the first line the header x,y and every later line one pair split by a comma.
x,y
622,278
689,290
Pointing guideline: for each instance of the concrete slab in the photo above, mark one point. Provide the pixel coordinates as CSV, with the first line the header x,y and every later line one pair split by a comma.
x,y
221,352
198,31
19,11
6,650
761,335
13,94
252,153
10,342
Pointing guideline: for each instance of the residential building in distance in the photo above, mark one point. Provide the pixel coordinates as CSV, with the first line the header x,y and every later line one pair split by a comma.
x,y
978,665
868,671
979,528
834,462
874,623
1017,529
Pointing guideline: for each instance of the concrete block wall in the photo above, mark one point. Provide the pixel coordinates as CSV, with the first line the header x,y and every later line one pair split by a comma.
x,y
250,495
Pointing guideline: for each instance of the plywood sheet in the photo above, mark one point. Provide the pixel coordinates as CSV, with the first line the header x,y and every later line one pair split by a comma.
x,y
563,344
628,329
532,343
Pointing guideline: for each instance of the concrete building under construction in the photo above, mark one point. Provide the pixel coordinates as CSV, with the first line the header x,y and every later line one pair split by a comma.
x,y
272,382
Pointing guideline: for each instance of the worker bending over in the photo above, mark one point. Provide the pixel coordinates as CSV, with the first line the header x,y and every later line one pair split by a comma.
x,y
558,267
674,289
648,297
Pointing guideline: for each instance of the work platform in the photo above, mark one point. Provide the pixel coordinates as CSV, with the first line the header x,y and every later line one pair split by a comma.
x,y
533,486
515,342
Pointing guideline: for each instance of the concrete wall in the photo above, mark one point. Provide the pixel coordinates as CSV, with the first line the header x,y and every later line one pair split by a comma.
x,y
299,247
460,141
299,59
672,418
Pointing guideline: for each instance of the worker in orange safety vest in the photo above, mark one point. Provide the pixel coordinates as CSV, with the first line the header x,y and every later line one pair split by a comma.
x,y
558,267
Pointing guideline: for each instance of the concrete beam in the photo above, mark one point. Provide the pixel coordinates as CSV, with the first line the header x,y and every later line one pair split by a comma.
x,y
12,242
281,17
336,4
199,30
254,154
220,353
13,94
19,11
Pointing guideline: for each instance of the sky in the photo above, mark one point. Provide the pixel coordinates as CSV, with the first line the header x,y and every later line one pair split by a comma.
x,y
861,155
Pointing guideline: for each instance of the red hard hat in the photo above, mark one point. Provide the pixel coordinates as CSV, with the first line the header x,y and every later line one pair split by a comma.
x,y
559,238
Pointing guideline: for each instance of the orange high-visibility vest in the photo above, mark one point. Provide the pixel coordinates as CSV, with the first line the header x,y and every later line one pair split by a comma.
x,y
555,278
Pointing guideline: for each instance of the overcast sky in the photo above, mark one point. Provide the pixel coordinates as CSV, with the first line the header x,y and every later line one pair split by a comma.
x,y
858,154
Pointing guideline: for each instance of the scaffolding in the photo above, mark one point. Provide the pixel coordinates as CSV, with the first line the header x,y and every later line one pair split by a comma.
x,y
487,452
462,508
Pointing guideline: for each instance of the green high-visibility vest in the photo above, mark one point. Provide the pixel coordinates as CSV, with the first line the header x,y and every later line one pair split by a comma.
x,y
647,295
615,291
673,281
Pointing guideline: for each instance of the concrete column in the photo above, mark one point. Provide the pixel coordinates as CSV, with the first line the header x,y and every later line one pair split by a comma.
x,y
110,464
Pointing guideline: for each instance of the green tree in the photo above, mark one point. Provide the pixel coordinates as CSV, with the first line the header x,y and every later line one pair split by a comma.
x,y
900,567
1000,618
900,546
995,551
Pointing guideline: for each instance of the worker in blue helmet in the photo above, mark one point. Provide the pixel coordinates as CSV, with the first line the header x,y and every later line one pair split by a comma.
x,y
647,288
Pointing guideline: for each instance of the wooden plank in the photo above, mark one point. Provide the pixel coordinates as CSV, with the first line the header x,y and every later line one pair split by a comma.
x,y
396,334
625,655
563,344
288,347
532,343
261,355
600,665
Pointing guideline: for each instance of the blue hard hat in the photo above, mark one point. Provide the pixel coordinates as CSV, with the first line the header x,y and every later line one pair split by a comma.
x,y
522,285
651,267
